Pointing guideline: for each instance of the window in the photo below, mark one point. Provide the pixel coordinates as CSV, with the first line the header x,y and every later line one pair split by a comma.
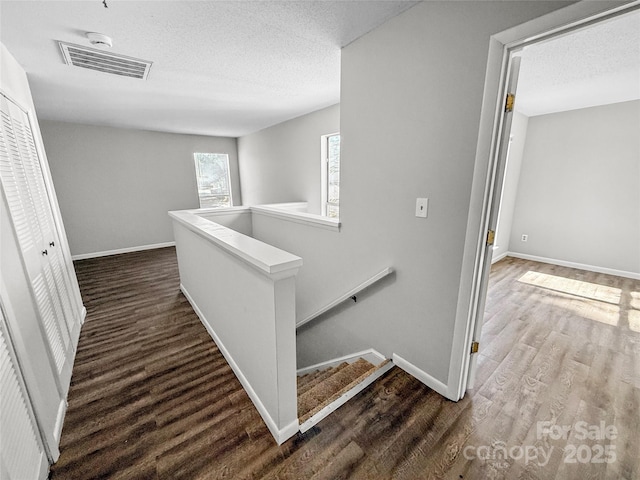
x,y
212,175
331,175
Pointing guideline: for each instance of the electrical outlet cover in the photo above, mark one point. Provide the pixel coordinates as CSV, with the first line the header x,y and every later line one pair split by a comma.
x,y
421,207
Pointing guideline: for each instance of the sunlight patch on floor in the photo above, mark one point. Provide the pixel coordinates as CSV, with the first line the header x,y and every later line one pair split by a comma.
x,y
635,300
595,302
634,320
592,291
582,307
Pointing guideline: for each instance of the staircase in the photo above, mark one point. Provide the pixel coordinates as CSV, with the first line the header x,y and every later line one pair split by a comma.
x,y
323,391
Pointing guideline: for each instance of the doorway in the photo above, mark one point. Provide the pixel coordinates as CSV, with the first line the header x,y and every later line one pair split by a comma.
x,y
491,154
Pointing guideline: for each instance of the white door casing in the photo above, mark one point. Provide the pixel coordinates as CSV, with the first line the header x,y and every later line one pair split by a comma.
x,y
485,192
495,190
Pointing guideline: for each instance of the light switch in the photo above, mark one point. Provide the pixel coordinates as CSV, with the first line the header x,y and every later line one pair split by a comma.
x,y
421,207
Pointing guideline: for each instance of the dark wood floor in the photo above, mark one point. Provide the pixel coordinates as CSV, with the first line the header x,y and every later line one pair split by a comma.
x,y
152,397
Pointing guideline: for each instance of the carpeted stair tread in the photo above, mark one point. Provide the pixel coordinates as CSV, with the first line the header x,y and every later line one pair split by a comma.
x,y
332,387
320,377
311,377
302,380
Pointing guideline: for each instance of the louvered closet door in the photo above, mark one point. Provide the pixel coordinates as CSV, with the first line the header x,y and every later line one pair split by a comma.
x,y
30,212
22,452
56,275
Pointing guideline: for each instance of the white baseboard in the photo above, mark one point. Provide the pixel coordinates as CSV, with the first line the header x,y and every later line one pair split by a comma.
x,y
496,259
423,376
579,266
57,428
280,434
370,356
118,251
43,468
286,433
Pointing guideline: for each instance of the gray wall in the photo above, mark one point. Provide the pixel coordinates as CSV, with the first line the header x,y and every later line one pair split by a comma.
x,y
115,185
282,163
579,192
510,187
410,108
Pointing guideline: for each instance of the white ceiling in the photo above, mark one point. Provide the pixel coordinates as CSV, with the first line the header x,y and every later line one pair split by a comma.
x,y
223,68
233,67
595,66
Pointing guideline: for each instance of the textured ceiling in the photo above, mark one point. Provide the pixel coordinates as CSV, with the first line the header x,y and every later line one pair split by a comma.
x,y
219,67
595,66
233,67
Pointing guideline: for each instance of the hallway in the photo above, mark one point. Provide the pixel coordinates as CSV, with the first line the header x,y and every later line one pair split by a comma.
x,y
152,397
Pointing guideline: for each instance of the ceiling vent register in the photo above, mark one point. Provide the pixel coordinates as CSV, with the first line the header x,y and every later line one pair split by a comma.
x,y
84,57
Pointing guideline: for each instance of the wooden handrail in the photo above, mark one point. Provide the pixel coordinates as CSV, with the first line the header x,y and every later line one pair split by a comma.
x,y
350,294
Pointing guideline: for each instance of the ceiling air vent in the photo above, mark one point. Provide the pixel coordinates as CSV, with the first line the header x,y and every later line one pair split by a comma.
x,y
92,59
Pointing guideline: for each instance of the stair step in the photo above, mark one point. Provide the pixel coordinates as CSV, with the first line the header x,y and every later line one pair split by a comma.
x,y
320,377
335,385
303,380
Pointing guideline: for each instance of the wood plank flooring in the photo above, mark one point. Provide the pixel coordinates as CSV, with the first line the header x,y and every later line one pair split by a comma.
x,y
152,397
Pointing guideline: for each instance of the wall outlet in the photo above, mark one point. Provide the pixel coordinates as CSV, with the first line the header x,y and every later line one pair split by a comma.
x,y
421,207
525,237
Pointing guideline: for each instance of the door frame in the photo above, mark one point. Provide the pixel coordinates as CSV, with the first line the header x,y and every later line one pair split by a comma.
x,y
485,199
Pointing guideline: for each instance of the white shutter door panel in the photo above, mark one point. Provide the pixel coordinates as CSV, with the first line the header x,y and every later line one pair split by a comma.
x,y
16,186
55,301
37,189
23,183
61,278
56,262
60,282
22,450
51,326
57,305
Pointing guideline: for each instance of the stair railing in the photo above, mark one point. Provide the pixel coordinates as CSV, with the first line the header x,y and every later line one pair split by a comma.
x,y
351,294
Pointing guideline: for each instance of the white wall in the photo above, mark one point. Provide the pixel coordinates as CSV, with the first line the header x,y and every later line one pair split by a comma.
x,y
325,275
237,218
410,108
248,312
510,187
282,163
115,186
579,192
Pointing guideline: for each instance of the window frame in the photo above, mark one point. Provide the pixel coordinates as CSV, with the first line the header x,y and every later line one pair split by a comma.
x,y
197,174
324,173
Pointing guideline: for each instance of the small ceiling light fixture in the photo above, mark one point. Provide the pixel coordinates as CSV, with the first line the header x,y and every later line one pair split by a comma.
x,y
99,40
